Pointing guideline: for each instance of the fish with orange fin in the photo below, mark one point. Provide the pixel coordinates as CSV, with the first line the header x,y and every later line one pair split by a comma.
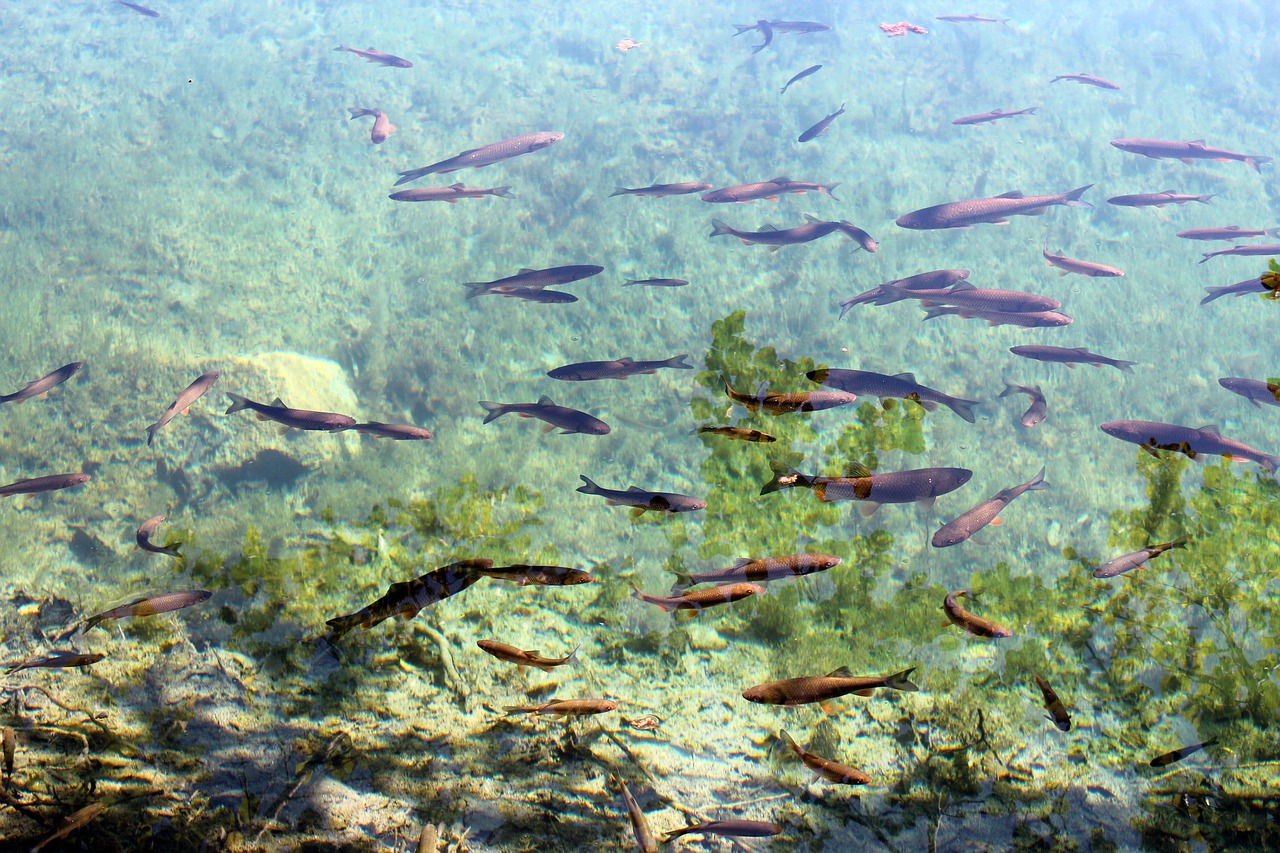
x,y
827,769
1057,711
975,625
526,657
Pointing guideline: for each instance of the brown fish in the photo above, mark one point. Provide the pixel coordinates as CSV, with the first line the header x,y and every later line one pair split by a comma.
x,y
996,210
1159,199
775,238
407,598
829,770
77,819
1245,251
486,155
1057,711
1086,268
48,483
55,660
645,841
43,384
382,126
538,575
730,828
395,432
452,193
1178,754
143,538
9,747
565,707
377,56
975,625
151,606
642,500
525,657
761,571
994,115
702,598
1230,232
780,404
737,433
291,418
808,689
180,406
1159,149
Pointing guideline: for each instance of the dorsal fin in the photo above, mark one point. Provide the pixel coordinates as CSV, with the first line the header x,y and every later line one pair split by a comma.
x,y
544,400
842,672
1210,429
906,377
962,285
857,469
1011,194
278,403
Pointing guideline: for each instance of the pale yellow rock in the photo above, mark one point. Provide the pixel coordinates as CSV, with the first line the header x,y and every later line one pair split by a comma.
x,y
705,637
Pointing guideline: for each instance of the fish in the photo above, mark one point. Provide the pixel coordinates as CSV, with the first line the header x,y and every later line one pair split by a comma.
x,y
526,575
820,127
1085,268
395,432
451,193
1245,251
526,657
530,278
645,841
963,526
180,406
1240,288
737,433
1026,319
1037,411
1057,711
663,190
291,418
143,538
141,10
864,240
377,56
932,280
965,295
1087,80
1159,149
747,570
808,689
1153,436
647,723
829,770
1070,356
730,828
700,599
1231,232
779,404
78,818
568,421
656,282
1178,754
486,155
537,294
997,210
382,126
775,238
971,19
918,485
1254,390
43,384
47,483
8,746
642,501
799,28
1159,199
763,26
811,70
770,189
55,660
150,606
564,707
622,368
975,625
994,115
406,599
1136,559
902,385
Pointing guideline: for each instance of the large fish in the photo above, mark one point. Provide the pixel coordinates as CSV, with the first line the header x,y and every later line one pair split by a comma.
x,y
189,395
902,385
526,657
532,279
729,828
43,384
1262,250
292,418
775,238
997,210
1159,149
586,371
808,689
1085,268
1152,436
1240,288
641,500
919,485
932,280
150,606
971,521
777,404
965,295
1070,356
568,421
1159,199
486,155
407,598
48,483
662,190
1254,390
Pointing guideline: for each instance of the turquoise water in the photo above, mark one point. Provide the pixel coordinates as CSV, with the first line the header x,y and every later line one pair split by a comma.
x,y
184,193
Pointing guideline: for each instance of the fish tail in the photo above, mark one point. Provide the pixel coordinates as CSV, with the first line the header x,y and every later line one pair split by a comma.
x,y
1254,161
789,741
1038,481
718,228
238,403
412,175
1072,199
573,659
504,192
1207,256
151,432
1009,388
475,288
360,112
678,361
1204,199
1126,366
495,410
825,189
619,191
902,681
517,709
784,478
588,487
1180,542
1270,463
964,408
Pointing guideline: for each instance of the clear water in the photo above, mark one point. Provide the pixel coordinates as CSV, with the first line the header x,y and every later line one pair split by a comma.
x,y
184,193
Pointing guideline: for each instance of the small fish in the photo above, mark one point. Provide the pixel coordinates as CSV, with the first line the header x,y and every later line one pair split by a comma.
x,y
809,689
1254,390
622,368
1136,559
829,770
1231,232
821,127
406,599
526,575
526,657
1027,319
663,190
1087,80
656,282
811,70
737,433
1159,199
451,193
55,660
628,44
771,190
530,278
642,501
43,384
377,56
963,526
1159,149
180,406
1039,408
143,538
779,404
764,28
48,483
774,238
1178,754
761,571
486,155
382,126
1085,268
539,295
994,115
76,819
1070,356
291,418
1152,436
1245,251
8,746
141,10
729,828
150,606
932,280
971,19
568,421
997,210
395,432
1057,711
700,599
965,295
1240,288
864,240
647,723
645,841
564,707
903,386
975,625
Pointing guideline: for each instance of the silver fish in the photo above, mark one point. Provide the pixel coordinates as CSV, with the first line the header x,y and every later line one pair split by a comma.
x,y
43,384
567,420
997,210
966,524
642,501
1070,356
292,418
486,155
189,395
1159,149
48,483
1039,407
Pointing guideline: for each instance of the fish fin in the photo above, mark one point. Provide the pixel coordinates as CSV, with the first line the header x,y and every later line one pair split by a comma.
x,y
963,408
743,561
718,228
588,487
638,511
1210,429
1012,194
857,469
237,403
495,411
902,681
996,522
678,361
841,672
928,502
868,508
544,400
